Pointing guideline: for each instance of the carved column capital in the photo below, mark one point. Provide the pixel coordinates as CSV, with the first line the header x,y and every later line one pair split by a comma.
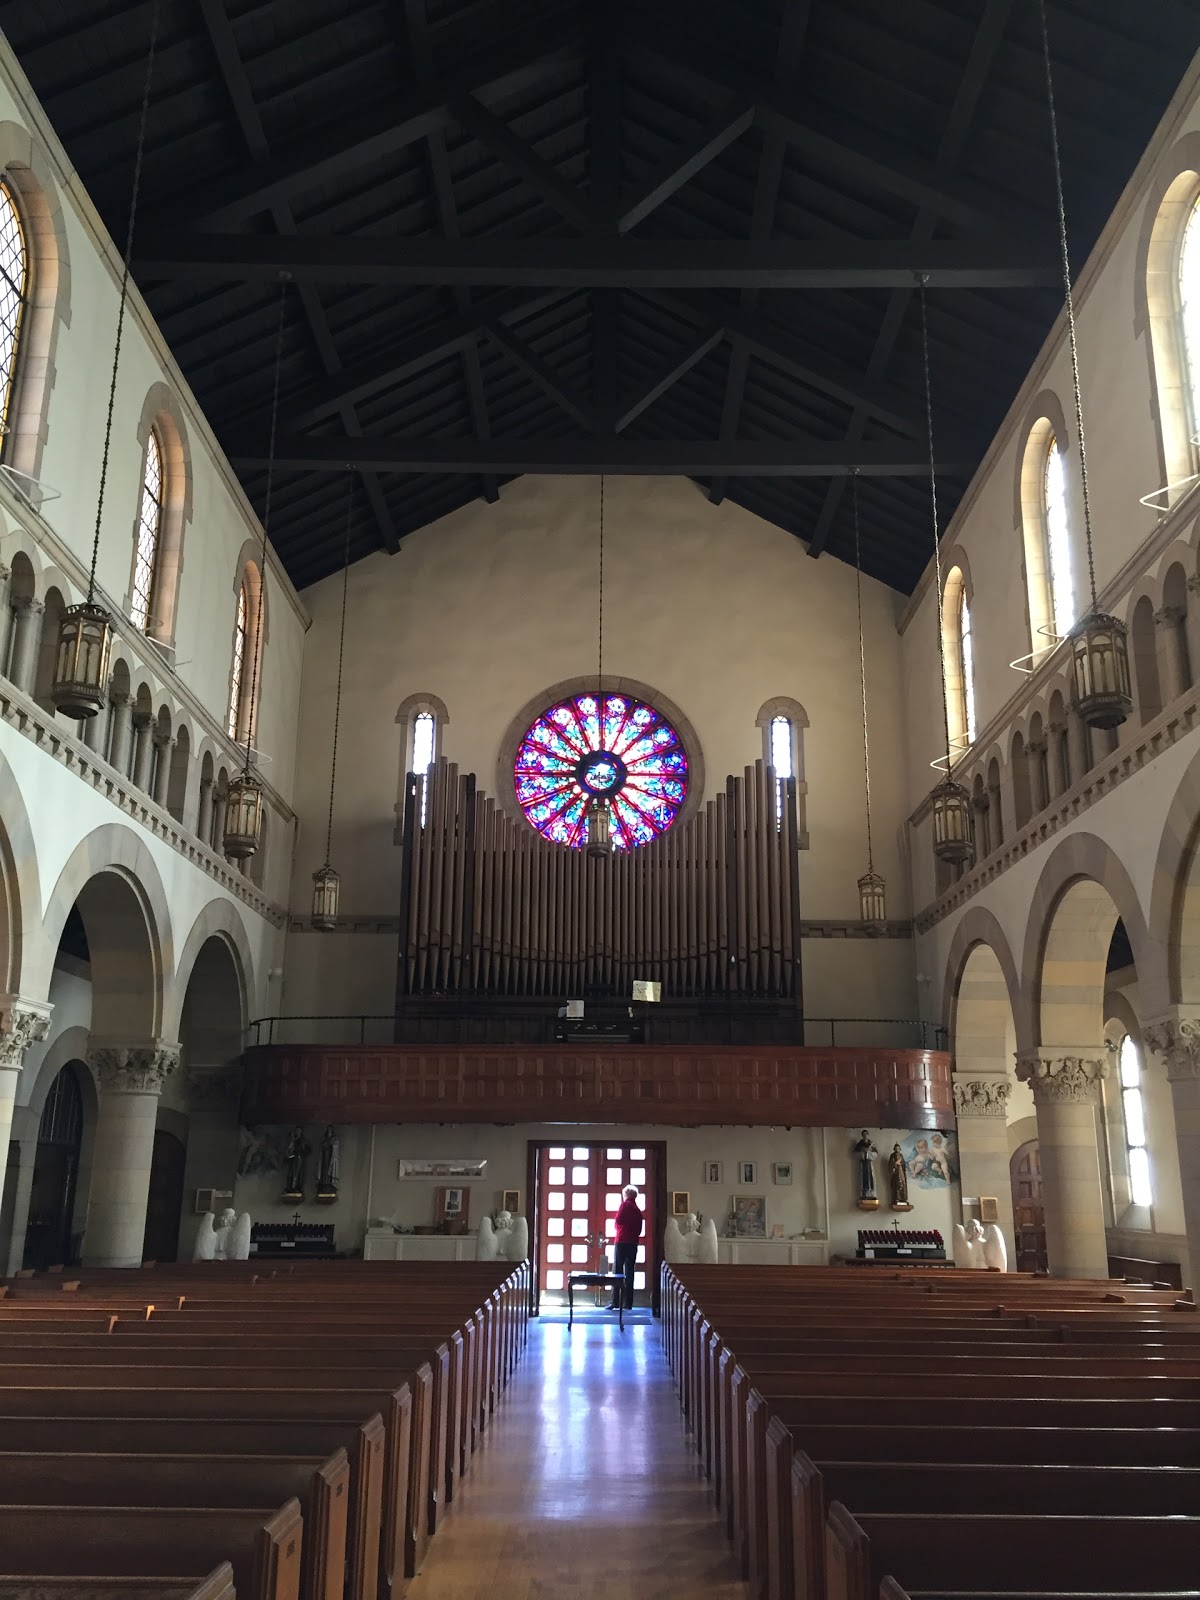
x,y
121,698
1177,1039
981,1097
1061,1079
133,1068
22,1023
26,606
1169,616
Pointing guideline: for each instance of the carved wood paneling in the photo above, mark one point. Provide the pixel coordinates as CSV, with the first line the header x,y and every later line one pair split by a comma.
x,y
791,1085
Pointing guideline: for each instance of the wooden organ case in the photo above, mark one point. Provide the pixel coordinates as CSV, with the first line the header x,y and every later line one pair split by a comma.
x,y
499,928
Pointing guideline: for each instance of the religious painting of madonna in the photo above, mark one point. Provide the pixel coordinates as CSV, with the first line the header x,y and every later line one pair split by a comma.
x,y
749,1216
931,1159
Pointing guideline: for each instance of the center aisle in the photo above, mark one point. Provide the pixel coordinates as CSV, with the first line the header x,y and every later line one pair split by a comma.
x,y
585,1484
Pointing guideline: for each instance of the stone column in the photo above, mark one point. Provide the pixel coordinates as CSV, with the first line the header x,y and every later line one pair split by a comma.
x,y
205,818
143,750
27,636
1078,746
981,1105
22,1023
1191,623
1065,1095
20,1216
1177,1037
1172,652
218,821
95,731
131,1080
163,745
1037,776
1054,761
122,722
6,615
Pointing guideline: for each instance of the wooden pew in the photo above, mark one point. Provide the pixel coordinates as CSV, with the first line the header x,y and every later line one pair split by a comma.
x,y
1027,1555
44,1545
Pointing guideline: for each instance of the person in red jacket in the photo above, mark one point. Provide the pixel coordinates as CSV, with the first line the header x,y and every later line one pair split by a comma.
x,y
629,1230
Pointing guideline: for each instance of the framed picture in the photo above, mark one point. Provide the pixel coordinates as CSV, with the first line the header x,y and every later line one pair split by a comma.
x,y
452,1204
681,1203
714,1171
781,1172
747,1172
749,1215
511,1201
463,1168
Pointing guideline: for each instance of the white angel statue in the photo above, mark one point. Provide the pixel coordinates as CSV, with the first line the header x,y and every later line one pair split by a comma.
x,y
979,1247
225,1240
507,1240
687,1240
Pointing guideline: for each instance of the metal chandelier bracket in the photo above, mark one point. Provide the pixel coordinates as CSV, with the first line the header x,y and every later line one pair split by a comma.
x,y
327,883
872,899
1099,648
599,818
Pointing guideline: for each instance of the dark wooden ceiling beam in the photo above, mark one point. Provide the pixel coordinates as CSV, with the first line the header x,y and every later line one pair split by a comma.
x,y
682,165
691,357
335,149
785,458
528,360
999,262
976,71
237,85
521,158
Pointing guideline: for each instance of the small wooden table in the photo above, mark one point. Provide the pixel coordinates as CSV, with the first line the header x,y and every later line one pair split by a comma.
x,y
595,1280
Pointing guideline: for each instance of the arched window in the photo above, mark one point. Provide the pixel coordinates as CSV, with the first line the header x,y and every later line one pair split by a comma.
x,y
782,760
241,631
421,720
966,650
783,722
1189,312
959,653
1133,1106
149,527
1058,540
14,284
424,741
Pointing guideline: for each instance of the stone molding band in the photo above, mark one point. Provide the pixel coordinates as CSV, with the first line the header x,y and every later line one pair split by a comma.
x,y
22,1023
1061,1080
134,1069
981,1097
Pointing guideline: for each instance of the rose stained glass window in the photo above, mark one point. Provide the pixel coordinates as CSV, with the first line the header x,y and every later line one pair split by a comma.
x,y
610,748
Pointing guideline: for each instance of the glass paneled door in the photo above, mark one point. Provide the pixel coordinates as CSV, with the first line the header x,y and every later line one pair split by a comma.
x,y
580,1191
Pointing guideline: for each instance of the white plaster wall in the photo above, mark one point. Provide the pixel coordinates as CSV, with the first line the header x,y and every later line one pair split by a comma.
x,y
222,519
712,607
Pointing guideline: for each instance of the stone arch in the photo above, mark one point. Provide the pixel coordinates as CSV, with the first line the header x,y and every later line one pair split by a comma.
x,y
162,414
1173,192
54,603
1045,420
112,876
29,169
1144,651
609,684
218,925
980,927
20,889
1175,896
1082,891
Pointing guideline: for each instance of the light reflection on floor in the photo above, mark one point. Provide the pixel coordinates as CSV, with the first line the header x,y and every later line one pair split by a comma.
x,y
586,1483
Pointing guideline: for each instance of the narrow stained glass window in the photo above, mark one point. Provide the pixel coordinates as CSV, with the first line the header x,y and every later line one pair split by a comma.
x,y
1189,312
967,649
1132,1104
240,628
14,275
145,567
1058,541
424,729
781,760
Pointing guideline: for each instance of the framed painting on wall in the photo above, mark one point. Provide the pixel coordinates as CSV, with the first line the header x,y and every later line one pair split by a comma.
x,y
747,1172
781,1172
713,1171
750,1216
681,1203
510,1200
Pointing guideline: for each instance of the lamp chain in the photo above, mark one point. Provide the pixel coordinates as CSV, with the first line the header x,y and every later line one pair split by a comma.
x,y
266,518
128,260
1070,297
937,546
862,672
600,649
337,701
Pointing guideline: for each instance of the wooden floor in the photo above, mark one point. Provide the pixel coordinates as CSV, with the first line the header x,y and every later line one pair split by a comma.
x,y
585,1484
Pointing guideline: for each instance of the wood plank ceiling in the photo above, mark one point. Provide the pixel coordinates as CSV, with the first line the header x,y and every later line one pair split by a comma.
x,y
541,236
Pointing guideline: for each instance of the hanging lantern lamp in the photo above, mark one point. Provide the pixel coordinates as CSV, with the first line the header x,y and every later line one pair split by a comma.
x,y
244,806
327,884
872,903
599,831
950,803
83,655
1099,647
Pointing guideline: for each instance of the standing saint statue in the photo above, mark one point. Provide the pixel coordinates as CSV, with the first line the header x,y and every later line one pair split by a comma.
x,y
298,1152
327,1175
867,1155
898,1179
